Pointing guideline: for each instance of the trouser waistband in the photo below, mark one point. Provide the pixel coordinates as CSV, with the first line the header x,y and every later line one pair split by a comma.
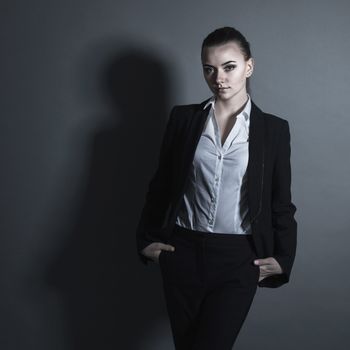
x,y
217,238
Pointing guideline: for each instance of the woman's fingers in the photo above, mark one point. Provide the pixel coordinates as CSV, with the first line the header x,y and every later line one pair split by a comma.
x,y
167,247
268,267
162,246
154,249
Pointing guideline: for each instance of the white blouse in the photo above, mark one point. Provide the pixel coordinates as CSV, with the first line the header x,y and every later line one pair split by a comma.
x,y
216,197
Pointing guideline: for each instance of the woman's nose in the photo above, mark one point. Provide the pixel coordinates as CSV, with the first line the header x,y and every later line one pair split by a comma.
x,y
219,78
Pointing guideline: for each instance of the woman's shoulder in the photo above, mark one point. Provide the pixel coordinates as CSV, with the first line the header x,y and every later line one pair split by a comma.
x,y
192,107
185,114
275,119
270,118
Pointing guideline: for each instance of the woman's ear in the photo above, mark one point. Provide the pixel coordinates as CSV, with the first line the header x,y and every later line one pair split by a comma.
x,y
249,67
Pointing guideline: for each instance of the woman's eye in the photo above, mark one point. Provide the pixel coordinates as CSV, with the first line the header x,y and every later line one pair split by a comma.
x,y
208,70
230,67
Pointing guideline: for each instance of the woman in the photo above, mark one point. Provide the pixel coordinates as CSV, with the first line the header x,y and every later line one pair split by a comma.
x,y
218,215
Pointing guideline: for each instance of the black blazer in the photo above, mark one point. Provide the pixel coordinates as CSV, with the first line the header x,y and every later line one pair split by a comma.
x,y
271,210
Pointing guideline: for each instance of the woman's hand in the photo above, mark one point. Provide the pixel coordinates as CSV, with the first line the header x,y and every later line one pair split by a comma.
x,y
153,250
268,267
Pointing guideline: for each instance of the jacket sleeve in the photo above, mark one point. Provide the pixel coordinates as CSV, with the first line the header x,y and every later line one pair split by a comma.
x,y
283,210
158,194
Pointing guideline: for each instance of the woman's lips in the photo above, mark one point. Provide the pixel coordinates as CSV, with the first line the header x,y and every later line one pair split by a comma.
x,y
222,89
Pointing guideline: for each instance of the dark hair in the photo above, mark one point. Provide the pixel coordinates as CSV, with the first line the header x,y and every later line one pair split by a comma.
x,y
224,35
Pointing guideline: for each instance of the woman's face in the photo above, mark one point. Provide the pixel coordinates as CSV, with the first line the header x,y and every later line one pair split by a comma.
x,y
225,71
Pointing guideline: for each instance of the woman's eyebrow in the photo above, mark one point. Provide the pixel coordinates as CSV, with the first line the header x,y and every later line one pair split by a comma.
x,y
206,64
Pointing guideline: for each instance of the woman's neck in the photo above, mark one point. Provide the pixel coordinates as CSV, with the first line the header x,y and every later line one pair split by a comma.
x,y
232,107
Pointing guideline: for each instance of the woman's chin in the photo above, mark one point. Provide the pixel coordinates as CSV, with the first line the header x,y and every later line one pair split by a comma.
x,y
223,96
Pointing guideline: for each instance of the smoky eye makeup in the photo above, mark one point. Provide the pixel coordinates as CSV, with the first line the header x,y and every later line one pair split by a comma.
x,y
207,69
230,67
227,68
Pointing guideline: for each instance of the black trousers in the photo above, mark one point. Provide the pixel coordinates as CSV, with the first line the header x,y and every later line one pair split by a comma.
x,y
209,283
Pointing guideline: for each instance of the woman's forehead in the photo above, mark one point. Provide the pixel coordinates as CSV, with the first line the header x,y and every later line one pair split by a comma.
x,y
220,54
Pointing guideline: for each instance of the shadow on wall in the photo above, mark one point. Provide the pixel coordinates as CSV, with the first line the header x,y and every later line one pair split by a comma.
x,y
108,297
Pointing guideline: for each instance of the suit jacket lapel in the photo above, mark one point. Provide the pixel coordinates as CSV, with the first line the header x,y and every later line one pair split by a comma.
x,y
194,133
256,162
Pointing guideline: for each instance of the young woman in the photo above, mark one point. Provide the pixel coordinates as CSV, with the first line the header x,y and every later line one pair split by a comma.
x,y
218,215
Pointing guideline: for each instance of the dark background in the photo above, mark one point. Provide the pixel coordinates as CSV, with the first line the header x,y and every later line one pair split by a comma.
x,y
86,89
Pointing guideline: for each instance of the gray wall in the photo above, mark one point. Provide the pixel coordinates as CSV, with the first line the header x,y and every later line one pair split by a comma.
x,y
84,85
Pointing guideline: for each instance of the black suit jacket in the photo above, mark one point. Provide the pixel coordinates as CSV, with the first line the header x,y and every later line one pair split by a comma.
x,y
269,180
